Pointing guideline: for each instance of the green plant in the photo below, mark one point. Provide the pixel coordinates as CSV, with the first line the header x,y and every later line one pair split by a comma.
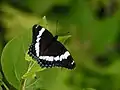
x,y
18,67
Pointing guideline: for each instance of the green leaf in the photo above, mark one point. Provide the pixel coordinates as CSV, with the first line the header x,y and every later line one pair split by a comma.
x,y
44,22
64,39
51,79
33,68
44,80
13,63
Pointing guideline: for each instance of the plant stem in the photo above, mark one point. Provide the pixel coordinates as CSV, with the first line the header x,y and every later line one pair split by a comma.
x,y
23,82
5,85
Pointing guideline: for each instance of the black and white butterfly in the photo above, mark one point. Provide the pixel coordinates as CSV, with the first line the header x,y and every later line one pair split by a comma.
x,y
48,51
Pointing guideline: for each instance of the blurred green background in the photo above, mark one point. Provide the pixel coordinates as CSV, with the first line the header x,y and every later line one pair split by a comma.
x,y
94,45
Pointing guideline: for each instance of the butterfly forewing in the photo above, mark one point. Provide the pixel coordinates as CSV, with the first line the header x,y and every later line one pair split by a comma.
x,y
46,40
41,38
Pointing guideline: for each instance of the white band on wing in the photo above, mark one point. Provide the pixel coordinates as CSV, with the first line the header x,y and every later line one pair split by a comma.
x,y
60,58
37,48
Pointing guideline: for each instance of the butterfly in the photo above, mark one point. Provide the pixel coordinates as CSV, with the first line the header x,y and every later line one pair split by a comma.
x,y
48,51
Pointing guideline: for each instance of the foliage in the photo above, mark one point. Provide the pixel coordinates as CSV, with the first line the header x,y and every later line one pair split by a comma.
x,y
93,42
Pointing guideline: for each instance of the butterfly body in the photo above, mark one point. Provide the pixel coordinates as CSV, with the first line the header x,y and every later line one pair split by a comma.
x,y
48,51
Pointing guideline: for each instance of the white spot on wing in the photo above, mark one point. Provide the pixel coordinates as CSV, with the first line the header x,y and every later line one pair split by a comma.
x,y
66,54
72,62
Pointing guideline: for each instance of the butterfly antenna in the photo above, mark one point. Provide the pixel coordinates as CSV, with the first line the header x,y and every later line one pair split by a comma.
x,y
56,33
57,23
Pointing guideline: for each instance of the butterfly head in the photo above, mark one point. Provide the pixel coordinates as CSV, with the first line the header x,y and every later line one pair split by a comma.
x,y
55,37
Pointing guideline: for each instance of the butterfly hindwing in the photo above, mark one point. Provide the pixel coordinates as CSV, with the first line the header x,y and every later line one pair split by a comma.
x,y
57,55
48,51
